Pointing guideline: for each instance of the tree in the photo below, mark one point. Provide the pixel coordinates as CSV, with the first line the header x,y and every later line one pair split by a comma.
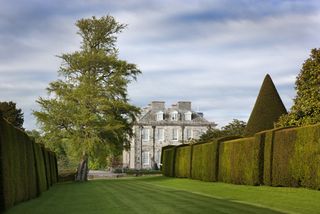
x,y
12,114
267,109
234,128
306,107
88,109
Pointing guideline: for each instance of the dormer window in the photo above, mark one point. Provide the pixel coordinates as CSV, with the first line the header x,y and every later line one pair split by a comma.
x,y
159,116
174,116
188,115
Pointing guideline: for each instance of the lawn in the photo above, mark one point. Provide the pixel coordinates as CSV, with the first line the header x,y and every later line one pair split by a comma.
x,y
169,195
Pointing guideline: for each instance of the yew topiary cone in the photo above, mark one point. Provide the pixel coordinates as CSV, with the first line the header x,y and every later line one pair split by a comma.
x,y
267,109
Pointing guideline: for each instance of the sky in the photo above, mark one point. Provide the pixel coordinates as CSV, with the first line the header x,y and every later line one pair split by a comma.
x,y
212,53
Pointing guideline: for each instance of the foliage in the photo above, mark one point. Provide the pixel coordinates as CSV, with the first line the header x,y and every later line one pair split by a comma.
x,y
88,110
283,151
267,109
204,161
296,157
22,166
138,172
168,160
234,128
306,159
182,161
12,114
41,170
306,107
239,161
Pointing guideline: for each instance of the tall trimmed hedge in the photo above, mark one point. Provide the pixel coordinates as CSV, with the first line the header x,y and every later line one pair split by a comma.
x,y
205,159
182,162
296,160
283,150
279,157
40,168
239,161
305,164
22,172
168,159
267,109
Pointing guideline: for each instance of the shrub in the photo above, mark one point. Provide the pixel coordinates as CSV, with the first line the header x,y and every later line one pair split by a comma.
x,y
141,171
283,151
205,159
22,167
8,166
182,161
239,161
297,157
305,162
30,169
267,109
40,169
168,160
268,157
45,153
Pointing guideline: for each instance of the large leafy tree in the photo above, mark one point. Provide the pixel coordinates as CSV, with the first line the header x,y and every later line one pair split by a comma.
x,y
306,107
12,114
88,111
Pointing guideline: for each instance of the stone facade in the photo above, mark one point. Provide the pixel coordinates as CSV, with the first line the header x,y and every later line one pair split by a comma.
x,y
159,126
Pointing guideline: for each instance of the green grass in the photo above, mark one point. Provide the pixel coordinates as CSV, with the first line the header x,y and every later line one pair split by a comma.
x,y
169,195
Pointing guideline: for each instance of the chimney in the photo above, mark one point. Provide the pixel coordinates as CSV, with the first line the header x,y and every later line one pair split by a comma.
x,y
158,105
184,105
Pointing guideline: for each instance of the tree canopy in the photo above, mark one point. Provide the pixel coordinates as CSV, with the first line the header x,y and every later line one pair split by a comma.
x,y
234,128
88,109
306,106
267,109
12,114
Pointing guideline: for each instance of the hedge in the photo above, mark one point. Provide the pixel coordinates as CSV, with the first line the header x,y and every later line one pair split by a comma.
x,y
267,109
22,171
283,150
53,167
279,157
305,163
47,164
168,156
182,161
239,161
40,169
205,159
296,157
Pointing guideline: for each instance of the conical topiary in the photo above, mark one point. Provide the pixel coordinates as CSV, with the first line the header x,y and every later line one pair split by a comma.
x,y
267,109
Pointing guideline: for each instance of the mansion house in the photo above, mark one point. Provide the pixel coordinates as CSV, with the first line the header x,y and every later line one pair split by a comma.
x,y
159,126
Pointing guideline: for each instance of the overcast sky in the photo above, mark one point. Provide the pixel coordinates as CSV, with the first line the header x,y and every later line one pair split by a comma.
x,y
213,53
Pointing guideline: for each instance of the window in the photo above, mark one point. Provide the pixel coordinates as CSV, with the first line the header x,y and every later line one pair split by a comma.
x,y
174,115
145,134
160,134
187,115
159,116
145,158
189,133
174,134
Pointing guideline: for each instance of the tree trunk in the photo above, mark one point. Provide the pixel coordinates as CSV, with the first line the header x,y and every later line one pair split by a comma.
x,y
82,172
